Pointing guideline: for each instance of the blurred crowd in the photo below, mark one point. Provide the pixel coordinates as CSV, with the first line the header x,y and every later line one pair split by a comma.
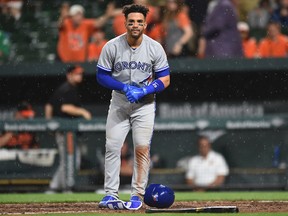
x,y
196,28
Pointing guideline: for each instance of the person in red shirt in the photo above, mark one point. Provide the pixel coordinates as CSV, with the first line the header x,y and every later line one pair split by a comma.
x,y
157,32
275,44
21,140
95,47
249,44
74,33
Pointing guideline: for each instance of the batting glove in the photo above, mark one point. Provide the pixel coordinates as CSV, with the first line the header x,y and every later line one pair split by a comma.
x,y
126,88
135,94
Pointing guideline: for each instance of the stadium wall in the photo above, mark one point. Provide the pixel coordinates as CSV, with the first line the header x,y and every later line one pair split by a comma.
x,y
244,103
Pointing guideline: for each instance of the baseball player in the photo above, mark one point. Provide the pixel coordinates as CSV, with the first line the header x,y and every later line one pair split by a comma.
x,y
135,67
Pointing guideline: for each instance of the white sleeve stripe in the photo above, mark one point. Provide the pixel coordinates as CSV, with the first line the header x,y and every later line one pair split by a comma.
x,y
161,69
104,68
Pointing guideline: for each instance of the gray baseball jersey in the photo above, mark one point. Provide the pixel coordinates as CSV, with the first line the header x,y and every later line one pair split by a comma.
x,y
135,67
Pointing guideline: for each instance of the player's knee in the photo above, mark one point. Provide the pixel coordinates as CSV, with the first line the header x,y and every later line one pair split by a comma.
x,y
142,141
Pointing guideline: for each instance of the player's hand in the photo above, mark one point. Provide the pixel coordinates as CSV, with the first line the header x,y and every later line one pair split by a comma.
x,y
126,88
110,10
135,94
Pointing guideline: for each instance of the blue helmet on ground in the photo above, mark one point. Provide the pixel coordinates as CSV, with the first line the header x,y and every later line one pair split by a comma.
x,y
159,196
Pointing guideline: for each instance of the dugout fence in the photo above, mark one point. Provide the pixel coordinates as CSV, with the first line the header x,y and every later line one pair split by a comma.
x,y
247,144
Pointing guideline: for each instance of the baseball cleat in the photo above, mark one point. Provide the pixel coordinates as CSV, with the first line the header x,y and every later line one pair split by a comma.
x,y
116,205
135,203
135,198
105,200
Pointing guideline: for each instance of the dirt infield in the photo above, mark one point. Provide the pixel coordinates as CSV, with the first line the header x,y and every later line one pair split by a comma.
x,y
81,207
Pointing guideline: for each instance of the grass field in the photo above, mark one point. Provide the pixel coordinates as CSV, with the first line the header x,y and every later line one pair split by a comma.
x,y
180,196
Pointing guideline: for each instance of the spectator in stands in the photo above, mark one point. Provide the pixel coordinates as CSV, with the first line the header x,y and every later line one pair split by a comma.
x,y
74,33
96,45
243,7
17,20
249,44
4,47
11,18
6,21
64,9
197,11
221,38
15,9
208,169
177,28
115,7
275,44
65,103
156,32
62,38
281,14
20,140
259,17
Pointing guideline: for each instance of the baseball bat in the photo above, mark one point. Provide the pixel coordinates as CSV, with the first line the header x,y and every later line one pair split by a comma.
x,y
210,209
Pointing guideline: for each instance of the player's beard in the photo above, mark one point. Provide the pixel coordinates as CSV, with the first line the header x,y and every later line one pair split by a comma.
x,y
134,35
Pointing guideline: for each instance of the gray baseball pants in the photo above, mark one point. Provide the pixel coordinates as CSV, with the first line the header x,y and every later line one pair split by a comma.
x,y
123,116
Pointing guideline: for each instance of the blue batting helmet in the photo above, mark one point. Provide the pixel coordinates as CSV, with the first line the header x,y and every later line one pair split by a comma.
x,y
159,196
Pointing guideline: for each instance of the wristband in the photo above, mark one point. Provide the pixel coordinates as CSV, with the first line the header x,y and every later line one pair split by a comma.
x,y
155,87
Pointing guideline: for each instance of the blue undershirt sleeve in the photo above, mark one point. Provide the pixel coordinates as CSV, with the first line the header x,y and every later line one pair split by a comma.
x,y
162,73
105,79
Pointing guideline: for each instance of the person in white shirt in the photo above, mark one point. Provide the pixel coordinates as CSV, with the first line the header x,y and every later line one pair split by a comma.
x,y
208,169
